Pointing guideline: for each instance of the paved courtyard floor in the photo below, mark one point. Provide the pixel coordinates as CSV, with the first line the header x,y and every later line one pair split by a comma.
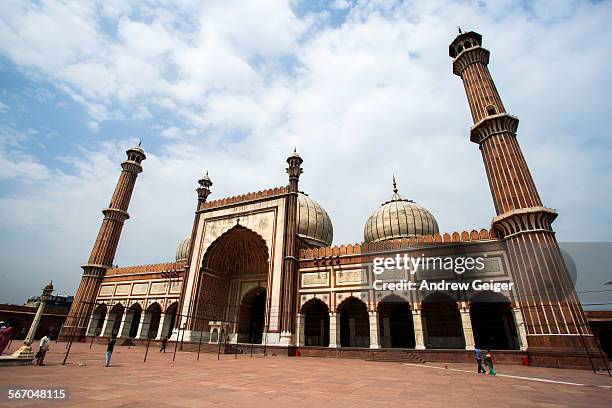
x,y
289,382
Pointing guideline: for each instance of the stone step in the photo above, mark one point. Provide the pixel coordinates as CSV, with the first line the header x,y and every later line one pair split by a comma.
x,y
396,357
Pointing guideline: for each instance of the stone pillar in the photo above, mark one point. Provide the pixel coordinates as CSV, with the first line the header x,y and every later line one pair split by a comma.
x,y
289,282
419,338
126,323
90,328
300,330
520,327
374,330
466,322
25,351
105,324
190,284
162,326
334,330
142,324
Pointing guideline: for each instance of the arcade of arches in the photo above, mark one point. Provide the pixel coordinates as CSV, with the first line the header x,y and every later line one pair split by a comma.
x,y
132,322
487,321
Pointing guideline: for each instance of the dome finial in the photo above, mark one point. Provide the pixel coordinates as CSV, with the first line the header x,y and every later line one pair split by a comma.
x,y
394,185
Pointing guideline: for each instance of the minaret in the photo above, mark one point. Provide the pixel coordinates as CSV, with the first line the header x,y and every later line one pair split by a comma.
x,y
205,183
289,281
551,310
105,247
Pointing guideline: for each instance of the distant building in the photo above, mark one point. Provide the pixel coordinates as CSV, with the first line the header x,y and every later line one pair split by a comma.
x,y
60,301
20,316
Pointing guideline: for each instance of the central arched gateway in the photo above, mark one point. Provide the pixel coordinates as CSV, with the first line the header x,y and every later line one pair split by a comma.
x,y
233,285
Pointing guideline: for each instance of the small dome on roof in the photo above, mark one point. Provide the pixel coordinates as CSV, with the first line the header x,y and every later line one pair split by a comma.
x,y
399,218
182,251
313,224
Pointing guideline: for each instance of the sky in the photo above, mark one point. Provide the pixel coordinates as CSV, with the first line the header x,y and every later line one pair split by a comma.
x,y
363,89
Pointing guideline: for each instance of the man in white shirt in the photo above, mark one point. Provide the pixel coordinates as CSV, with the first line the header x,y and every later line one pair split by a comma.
x,y
44,347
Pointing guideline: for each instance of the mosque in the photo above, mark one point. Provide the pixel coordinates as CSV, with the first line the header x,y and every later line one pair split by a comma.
x,y
258,269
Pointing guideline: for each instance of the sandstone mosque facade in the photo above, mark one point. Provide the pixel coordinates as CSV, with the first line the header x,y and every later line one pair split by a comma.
x,y
259,268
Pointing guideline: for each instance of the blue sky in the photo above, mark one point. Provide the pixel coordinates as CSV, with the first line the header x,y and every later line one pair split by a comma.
x,y
363,89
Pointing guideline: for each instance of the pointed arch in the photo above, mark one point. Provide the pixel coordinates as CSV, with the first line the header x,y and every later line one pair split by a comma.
x,y
492,321
316,323
442,322
239,251
354,323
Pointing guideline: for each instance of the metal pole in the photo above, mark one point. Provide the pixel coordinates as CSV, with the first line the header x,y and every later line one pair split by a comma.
x,y
176,342
69,345
91,344
219,341
585,349
147,350
601,354
252,338
200,344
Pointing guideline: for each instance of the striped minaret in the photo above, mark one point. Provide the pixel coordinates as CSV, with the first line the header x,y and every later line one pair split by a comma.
x,y
551,310
105,247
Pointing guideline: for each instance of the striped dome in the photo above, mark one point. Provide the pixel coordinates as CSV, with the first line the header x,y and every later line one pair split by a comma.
x,y
399,218
182,250
314,225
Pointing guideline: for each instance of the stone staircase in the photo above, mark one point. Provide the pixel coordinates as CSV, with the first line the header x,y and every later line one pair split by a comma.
x,y
395,356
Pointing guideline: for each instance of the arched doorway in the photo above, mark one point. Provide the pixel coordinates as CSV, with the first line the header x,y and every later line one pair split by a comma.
x,y
169,319
114,321
97,320
131,321
354,323
316,323
442,322
493,322
237,258
252,316
395,323
151,321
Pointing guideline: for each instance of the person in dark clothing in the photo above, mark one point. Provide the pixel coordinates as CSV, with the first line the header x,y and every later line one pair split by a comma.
x,y
109,350
478,354
164,343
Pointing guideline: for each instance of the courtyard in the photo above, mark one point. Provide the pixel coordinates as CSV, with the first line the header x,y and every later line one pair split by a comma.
x,y
302,382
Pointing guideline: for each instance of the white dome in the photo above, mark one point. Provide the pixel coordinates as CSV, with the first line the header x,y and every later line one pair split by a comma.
x,y
399,218
313,224
182,250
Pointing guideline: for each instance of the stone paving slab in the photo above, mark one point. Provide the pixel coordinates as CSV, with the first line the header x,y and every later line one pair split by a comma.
x,y
292,382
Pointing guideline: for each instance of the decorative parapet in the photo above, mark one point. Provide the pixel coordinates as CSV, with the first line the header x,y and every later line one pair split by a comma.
x,y
221,202
356,249
493,125
150,268
468,57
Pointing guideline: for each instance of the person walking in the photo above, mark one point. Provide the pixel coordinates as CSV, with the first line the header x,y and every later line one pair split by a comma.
x,y
109,350
42,351
6,333
164,343
478,354
489,362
